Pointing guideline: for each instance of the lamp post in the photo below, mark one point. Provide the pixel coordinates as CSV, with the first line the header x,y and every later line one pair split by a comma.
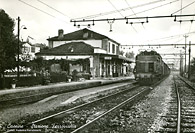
x,y
18,54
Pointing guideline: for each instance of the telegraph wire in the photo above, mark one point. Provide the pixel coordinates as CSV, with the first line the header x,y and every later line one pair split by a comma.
x,y
170,36
153,8
133,11
135,15
181,13
53,8
191,25
115,8
37,8
111,12
43,11
179,40
134,29
121,15
183,7
164,39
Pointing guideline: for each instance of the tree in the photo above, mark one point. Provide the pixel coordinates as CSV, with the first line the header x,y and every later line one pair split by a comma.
x,y
8,43
121,53
129,55
193,66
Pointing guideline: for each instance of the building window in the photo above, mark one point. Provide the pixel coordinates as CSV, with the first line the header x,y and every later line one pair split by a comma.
x,y
26,49
113,48
117,50
33,49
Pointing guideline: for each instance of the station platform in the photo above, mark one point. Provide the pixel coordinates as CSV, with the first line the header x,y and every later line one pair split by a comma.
x,y
39,92
14,113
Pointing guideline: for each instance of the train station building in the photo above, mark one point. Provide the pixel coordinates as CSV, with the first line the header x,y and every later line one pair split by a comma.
x,y
89,52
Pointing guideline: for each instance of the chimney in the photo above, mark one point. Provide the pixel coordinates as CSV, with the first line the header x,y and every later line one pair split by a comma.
x,y
60,33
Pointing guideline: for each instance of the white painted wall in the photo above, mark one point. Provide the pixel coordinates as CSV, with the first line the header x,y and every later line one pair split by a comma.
x,y
98,50
111,43
65,57
26,50
58,43
94,43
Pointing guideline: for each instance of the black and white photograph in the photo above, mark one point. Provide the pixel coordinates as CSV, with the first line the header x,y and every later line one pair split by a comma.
x,y
97,66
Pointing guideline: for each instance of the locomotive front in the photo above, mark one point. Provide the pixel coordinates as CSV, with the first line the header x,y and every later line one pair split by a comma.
x,y
148,67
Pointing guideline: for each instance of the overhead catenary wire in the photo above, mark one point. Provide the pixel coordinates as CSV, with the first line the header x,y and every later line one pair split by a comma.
x,y
152,45
133,18
114,11
133,11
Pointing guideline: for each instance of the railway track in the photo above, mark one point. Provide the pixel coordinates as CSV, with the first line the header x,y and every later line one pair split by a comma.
x,y
81,117
181,116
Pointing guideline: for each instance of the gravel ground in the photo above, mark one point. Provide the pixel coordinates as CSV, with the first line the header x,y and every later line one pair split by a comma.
x,y
147,113
89,112
143,117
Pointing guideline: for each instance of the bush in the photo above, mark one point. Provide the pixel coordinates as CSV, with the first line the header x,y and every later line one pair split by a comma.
x,y
29,81
32,81
58,77
24,81
83,75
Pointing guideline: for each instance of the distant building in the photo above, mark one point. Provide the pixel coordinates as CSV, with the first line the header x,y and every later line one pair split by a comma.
x,y
88,52
29,50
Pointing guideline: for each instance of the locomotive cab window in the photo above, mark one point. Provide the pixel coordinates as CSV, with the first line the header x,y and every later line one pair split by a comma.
x,y
151,67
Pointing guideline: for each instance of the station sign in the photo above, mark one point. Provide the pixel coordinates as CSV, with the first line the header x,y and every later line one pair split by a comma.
x,y
108,58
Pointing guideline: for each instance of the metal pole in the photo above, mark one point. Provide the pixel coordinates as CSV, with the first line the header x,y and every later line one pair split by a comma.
x,y
189,68
18,65
181,64
185,54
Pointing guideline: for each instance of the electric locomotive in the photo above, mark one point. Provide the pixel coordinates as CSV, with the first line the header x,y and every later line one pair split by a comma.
x,y
150,67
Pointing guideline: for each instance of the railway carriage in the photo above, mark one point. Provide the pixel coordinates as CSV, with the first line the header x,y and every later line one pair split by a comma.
x,y
150,67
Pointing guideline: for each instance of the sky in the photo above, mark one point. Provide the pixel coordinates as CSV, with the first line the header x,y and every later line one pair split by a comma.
x,y
43,19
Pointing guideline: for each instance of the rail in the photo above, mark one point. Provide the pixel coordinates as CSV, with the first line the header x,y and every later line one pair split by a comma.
x,y
178,108
87,125
80,106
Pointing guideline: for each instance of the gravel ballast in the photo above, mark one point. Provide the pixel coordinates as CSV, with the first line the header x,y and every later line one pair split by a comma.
x,y
143,117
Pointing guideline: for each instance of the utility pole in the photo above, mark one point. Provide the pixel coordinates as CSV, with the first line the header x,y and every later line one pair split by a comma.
x,y
181,64
185,54
18,65
189,68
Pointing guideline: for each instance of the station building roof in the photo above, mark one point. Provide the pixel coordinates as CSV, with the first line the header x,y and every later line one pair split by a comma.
x,y
83,34
72,48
